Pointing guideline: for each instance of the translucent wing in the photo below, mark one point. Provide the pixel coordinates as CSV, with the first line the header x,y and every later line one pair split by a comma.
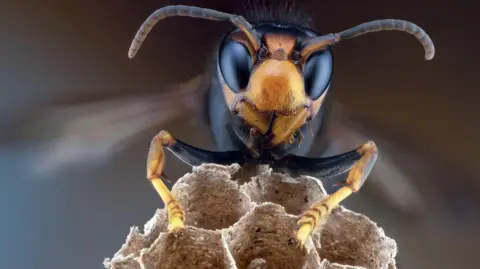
x,y
405,175
90,132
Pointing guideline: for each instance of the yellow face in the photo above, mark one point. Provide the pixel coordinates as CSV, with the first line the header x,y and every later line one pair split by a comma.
x,y
276,87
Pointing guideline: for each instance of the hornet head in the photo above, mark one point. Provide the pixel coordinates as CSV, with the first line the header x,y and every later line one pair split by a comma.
x,y
275,77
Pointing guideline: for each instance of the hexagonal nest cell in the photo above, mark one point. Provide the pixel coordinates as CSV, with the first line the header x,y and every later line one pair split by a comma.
x,y
233,224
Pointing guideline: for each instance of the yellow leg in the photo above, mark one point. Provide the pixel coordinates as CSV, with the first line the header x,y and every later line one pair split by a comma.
x,y
155,165
354,182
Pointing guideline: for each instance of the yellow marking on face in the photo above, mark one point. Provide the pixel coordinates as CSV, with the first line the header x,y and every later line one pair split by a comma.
x,y
276,86
285,126
276,42
253,117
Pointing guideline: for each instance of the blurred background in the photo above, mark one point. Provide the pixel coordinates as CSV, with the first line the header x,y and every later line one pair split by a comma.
x,y
70,52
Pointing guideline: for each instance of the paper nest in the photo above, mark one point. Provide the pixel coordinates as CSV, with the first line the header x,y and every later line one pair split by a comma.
x,y
247,224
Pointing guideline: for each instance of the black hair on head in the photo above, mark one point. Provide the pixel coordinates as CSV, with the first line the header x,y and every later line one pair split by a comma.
x,y
284,12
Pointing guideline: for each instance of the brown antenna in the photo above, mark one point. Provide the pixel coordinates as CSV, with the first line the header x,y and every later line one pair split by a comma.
x,y
193,12
322,42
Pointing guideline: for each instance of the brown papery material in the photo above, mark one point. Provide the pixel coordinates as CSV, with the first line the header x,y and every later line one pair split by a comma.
x,y
247,224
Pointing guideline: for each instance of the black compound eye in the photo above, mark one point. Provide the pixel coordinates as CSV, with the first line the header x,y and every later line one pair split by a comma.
x,y
318,73
235,65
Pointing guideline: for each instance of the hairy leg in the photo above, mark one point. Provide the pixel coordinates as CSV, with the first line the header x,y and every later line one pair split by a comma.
x,y
190,155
